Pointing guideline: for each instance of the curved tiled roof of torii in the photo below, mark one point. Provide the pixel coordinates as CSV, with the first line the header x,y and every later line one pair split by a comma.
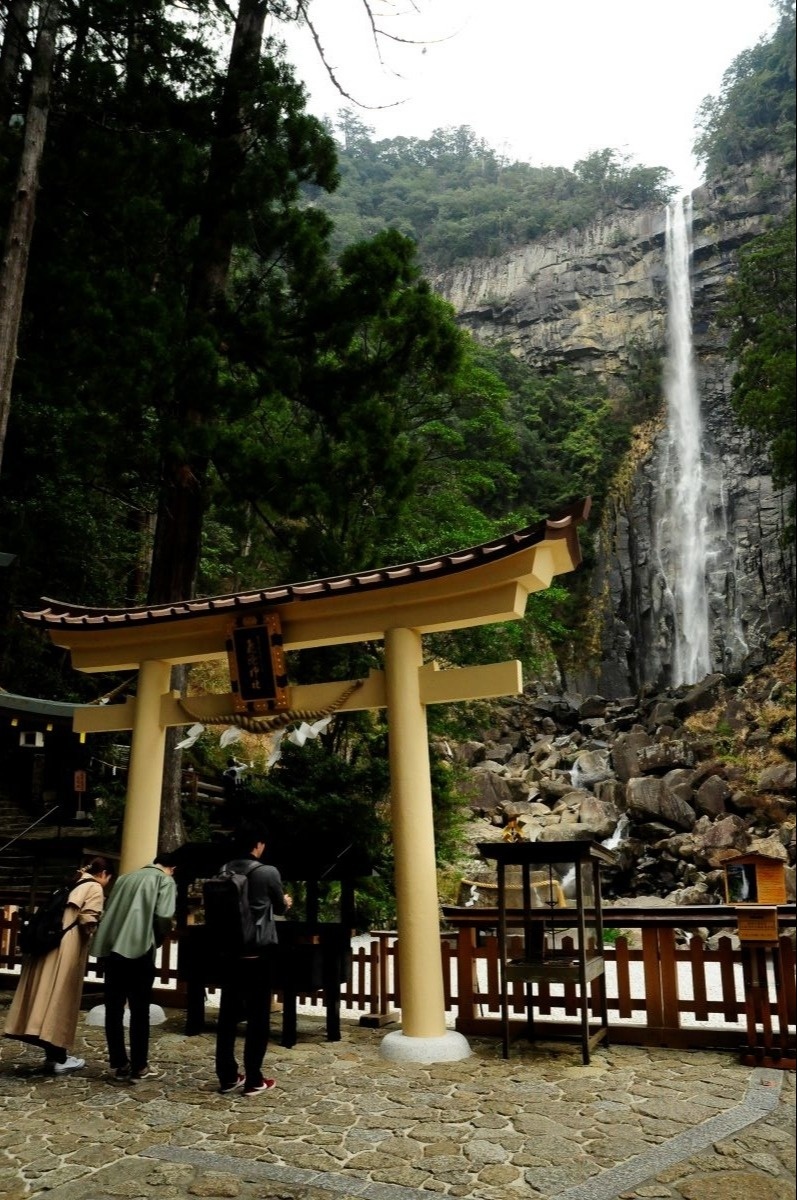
x,y
58,614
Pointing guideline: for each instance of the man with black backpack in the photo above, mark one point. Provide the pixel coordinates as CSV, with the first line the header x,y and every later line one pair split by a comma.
x,y
240,905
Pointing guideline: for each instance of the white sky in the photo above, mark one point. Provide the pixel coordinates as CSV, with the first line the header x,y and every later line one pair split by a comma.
x,y
543,81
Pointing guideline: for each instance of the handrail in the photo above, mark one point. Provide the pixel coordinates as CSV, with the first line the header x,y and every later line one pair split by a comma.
x,y
43,817
617,917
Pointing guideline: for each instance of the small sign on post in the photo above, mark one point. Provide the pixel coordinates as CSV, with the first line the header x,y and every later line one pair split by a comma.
x,y
79,784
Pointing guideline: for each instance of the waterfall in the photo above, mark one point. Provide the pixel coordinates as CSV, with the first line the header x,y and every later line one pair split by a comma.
x,y
620,833
683,533
611,843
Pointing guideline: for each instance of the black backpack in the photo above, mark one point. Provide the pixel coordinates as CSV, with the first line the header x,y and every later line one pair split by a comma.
x,y
41,930
229,925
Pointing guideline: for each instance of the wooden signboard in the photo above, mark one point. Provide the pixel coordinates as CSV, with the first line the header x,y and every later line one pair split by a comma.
x,y
771,878
757,923
258,677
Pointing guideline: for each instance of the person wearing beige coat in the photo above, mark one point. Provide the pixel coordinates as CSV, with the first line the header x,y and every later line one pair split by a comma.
x,y
44,1011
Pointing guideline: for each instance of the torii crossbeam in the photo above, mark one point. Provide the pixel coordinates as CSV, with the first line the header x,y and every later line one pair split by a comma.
x,y
397,605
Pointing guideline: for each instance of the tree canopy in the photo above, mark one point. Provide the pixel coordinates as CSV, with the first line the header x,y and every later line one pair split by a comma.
x,y
231,368
761,314
458,198
755,110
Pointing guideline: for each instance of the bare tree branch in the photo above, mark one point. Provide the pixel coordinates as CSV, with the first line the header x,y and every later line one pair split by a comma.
x,y
378,35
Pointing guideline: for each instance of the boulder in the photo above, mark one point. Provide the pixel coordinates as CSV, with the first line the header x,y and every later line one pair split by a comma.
x,y
625,760
770,846
703,695
736,715
499,752
765,806
712,796
643,796
679,783
517,788
721,841
489,790
469,753
713,766
591,767
662,713
729,832
520,809
573,798
518,762
600,817
575,832
782,777
611,791
593,728
563,710
553,789
665,756
648,797
697,893
676,811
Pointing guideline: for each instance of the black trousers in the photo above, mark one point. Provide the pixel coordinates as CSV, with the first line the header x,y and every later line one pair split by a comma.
x,y
245,994
53,1054
128,981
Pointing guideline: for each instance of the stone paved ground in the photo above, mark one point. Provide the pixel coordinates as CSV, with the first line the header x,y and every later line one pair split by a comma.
x,y
342,1122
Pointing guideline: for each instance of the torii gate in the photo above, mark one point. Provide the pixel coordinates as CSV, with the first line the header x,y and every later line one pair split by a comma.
x,y
398,605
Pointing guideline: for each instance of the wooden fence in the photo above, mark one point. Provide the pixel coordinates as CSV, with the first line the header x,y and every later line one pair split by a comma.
x,y
665,987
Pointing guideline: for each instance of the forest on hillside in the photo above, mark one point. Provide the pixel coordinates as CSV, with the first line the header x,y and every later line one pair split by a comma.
x,y
458,199
229,368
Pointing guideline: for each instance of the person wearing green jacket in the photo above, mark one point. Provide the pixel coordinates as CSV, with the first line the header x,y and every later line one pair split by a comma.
x,y
137,918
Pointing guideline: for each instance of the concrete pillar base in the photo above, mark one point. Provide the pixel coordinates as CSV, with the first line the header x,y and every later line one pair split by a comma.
x,y
397,1047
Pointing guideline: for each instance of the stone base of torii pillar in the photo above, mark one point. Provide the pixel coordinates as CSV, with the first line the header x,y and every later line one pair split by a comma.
x,y
397,1046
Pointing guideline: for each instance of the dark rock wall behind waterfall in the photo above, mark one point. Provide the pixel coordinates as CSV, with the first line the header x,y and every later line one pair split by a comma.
x,y
585,300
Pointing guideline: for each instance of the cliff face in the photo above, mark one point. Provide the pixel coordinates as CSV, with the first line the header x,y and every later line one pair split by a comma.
x,y
590,300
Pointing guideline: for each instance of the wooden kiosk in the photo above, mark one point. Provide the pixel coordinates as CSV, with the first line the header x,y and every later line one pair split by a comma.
x,y
556,944
756,884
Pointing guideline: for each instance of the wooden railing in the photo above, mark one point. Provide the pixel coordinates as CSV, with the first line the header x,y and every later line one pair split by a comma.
x,y
668,990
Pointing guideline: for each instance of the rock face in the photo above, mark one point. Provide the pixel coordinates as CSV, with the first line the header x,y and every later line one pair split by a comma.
x,y
589,300
654,793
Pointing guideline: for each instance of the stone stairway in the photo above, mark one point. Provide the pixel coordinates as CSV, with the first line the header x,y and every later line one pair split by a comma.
x,y
24,874
16,865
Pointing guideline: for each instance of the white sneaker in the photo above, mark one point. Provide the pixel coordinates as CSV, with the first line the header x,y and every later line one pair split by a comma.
x,y
70,1064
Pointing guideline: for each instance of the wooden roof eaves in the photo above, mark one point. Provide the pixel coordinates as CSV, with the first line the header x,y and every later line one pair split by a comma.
x,y
59,614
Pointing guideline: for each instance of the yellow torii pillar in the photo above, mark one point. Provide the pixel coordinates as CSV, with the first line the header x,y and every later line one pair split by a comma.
x,y
398,605
422,999
145,768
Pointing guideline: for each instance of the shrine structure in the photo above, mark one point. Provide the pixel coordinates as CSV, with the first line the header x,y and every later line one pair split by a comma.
x,y
256,629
